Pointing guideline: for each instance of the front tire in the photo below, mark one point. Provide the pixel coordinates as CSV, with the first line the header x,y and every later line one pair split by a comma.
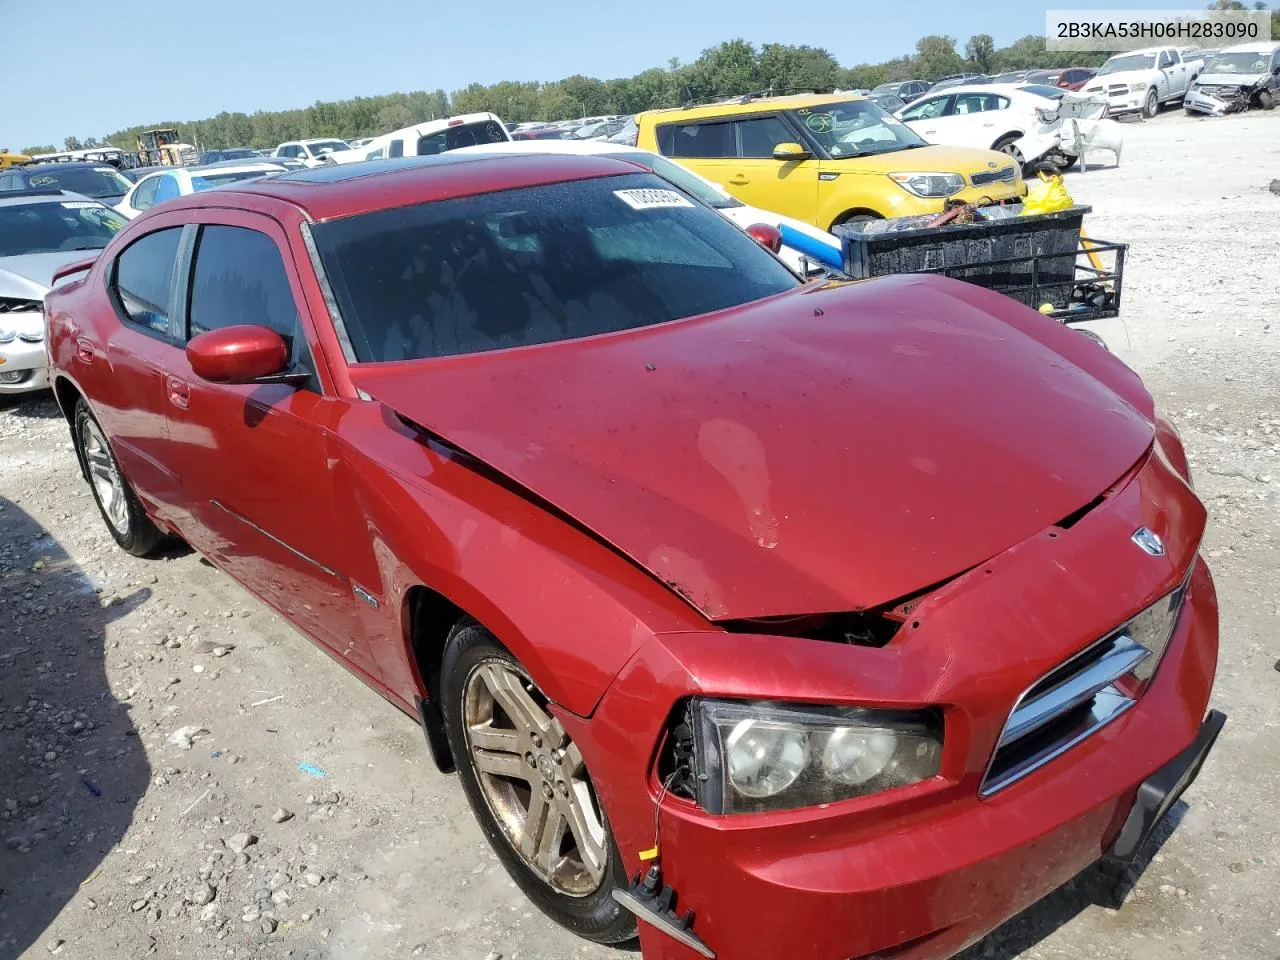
x,y
1151,106
1266,100
127,522
529,788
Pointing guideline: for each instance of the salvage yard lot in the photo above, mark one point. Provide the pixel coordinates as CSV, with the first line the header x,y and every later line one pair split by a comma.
x,y
114,840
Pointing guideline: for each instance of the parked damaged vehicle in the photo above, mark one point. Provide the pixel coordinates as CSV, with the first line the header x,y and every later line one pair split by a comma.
x,y
1238,78
41,231
871,612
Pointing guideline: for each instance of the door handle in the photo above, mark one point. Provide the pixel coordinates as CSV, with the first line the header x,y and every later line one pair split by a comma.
x,y
988,124
84,349
931,131
739,179
179,393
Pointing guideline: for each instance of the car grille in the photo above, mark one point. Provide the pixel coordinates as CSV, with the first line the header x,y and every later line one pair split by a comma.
x,y
1115,90
992,176
1221,91
1072,702
14,304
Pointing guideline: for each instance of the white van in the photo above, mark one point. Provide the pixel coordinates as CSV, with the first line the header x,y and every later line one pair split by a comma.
x,y
434,136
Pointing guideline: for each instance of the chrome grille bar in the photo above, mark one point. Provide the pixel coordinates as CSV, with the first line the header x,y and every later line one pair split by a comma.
x,y
1067,705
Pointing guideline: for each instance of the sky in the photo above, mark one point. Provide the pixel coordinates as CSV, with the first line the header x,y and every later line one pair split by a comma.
x,y
163,61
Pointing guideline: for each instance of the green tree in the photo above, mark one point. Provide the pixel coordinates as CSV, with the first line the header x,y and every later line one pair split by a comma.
x,y
784,67
936,57
72,143
42,148
980,51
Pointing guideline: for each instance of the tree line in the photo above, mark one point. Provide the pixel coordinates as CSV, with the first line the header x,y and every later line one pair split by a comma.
x,y
732,67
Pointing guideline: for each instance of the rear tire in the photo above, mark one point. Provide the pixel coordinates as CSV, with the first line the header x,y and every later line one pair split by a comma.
x,y
533,781
126,520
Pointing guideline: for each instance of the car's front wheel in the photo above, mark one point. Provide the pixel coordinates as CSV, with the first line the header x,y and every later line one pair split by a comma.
x,y
1151,106
118,504
529,788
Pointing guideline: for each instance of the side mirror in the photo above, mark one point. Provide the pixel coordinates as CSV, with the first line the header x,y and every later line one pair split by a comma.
x,y
790,151
240,354
767,235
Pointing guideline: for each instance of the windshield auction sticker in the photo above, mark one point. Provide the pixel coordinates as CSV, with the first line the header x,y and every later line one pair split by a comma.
x,y
651,199
1120,30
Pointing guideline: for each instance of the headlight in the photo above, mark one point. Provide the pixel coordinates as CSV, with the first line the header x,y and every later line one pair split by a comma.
x,y
929,184
753,757
1137,87
7,335
1152,628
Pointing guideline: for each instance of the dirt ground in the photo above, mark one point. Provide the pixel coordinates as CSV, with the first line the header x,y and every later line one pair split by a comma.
x,y
304,818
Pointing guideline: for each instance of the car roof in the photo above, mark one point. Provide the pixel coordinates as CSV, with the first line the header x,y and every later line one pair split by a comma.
x,y
67,165
738,105
1259,47
341,190
12,198
583,148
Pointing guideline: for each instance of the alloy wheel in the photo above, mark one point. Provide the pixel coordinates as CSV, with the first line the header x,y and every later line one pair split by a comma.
x,y
534,780
108,486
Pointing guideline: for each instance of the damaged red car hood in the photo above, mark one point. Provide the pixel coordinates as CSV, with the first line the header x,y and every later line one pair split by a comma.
x,y
822,450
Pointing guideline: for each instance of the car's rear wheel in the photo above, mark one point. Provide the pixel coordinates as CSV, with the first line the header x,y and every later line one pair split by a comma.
x,y
127,522
529,788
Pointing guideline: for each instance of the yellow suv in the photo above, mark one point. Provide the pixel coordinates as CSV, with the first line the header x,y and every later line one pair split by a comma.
x,y
824,158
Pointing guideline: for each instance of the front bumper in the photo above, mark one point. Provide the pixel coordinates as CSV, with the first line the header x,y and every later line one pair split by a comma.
x,y
941,878
1200,102
922,873
23,367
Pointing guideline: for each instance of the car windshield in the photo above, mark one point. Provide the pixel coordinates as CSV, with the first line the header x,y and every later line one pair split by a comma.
x,y
242,154
1133,61
682,178
326,146
1241,63
463,135
207,181
92,182
55,226
536,265
857,128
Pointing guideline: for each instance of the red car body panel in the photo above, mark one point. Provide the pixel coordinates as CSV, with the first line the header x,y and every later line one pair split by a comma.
x,y
873,873
744,512
531,488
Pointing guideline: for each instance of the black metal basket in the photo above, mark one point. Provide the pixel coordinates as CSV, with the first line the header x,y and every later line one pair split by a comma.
x,y
1037,259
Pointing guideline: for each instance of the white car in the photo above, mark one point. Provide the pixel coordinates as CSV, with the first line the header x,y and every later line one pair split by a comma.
x,y
311,152
1139,81
434,136
359,142
1238,78
688,181
1018,119
179,181
40,232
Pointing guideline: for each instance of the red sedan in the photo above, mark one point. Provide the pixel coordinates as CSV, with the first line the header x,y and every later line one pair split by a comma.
x,y
800,620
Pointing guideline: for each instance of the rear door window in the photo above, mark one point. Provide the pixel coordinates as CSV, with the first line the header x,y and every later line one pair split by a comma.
x,y
143,279
464,135
696,140
239,277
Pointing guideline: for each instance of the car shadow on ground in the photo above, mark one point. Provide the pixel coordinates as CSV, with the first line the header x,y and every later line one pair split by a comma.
x,y
31,406
72,770
1095,886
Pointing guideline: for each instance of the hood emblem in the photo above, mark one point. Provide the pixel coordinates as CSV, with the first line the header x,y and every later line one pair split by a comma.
x,y
991,164
1148,541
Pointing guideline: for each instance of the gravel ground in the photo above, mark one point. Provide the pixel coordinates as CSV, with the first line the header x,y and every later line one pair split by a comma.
x,y
181,775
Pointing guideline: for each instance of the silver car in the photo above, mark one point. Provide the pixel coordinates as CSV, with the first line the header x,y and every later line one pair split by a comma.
x,y
40,231
1237,78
